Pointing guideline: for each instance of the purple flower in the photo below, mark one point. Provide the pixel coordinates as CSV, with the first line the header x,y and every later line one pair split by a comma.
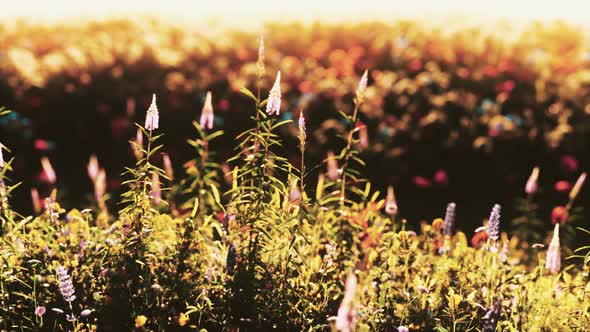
x,y
66,288
274,98
449,220
494,223
152,118
531,184
346,318
553,261
403,329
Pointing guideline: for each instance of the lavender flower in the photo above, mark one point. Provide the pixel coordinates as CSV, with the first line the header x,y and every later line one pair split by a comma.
x,y
447,228
346,318
494,223
207,116
66,288
553,261
274,98
490,320
301,123
48,170
152,116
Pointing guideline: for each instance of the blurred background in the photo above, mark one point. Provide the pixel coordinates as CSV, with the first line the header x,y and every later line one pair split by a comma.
x,y
465,98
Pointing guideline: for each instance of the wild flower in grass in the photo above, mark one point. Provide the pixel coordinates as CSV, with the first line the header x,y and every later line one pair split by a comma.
x,y
494,223
48,172
332,164
207,115
92,168
40,311
100,185
66,288
490,320
346,318
301,126
273,104
231,259
390,202
152,117
449,220
531,184
168,170
402,329
577,187
553,260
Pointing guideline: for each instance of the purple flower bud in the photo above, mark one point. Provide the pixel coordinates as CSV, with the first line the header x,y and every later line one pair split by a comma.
x,y
66,288
273,104
449,220
152,118
494,223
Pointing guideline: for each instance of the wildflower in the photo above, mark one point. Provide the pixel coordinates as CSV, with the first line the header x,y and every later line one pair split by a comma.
x,y
559,215
230,260
48,172
168,166
490,320
273,104
130,107
553,261
402,329
363,136
152,117
577,187
66,288
449,219
85,312
92,167
390,202
140,321
360,91
207,115
531,184
346,318
156,189
562,186
494,223
568,164
100,184
441,178
40,311
301,125
332,166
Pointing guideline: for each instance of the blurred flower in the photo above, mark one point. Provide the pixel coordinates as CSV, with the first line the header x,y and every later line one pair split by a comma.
x,y
40,311
562,186
421,182
559,215
568,163
531,184
168,166
100,185
332,166
553,260
152,117
48,172
140,321
504,252
85,312
490,320
494,223
346,318
207,115
156,192
273,104
137,146
441,178
577,187
36,200
260,61
66,288
363,136
402,329
92,167
360,91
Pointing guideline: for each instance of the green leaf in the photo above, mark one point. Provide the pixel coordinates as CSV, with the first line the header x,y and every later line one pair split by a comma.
x,y
249,94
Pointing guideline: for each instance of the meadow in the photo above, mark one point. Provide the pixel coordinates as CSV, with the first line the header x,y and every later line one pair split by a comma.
x,y
259,240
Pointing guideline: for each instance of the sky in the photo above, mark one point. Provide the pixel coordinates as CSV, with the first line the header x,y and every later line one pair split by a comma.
x,y
251,13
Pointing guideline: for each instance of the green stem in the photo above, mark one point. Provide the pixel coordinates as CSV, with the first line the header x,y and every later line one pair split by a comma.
x,y
347,153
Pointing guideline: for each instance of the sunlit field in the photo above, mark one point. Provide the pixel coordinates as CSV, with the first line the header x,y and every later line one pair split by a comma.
x,y
186,167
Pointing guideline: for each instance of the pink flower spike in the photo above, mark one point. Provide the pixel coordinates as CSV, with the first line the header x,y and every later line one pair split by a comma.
x,y
553,261
48,172
301,122
100,184
207,115
577,187
152,118
531,185
273,104
363,84
168,166
92,167
40,311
